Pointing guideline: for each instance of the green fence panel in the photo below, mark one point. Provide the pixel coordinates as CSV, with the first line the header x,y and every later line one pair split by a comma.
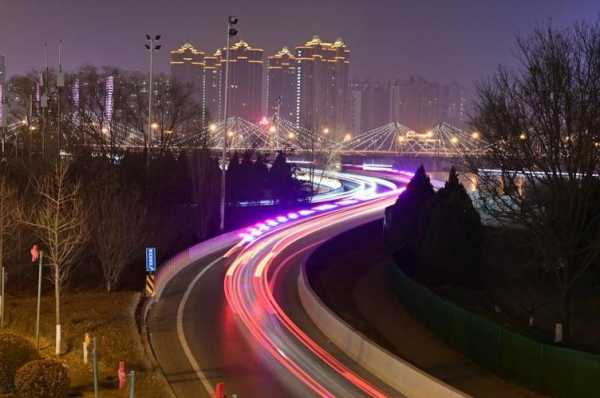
x,y
519,359
556,371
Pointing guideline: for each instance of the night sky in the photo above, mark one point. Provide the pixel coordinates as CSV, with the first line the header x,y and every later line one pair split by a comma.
x,y
444,40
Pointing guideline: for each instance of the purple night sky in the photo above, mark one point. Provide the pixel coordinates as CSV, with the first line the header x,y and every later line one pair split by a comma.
x,y
443,40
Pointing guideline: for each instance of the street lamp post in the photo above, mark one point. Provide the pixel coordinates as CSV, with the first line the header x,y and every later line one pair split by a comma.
x,y
151,47
4,108
45,81
231,31
60,83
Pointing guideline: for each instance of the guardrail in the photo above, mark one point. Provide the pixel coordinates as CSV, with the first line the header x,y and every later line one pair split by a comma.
x,y
392,370
190,255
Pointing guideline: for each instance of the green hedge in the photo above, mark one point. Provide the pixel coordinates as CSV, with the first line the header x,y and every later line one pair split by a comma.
x,y
556,371
15,351
44,378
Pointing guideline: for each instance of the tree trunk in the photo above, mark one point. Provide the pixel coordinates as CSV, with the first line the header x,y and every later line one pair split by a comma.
x,y
57,301
565,313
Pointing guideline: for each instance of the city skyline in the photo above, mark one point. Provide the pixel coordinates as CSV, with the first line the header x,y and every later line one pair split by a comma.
x,y
313,79
392,40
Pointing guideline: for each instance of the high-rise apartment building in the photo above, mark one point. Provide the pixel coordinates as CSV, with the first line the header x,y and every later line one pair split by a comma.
x,y
206,74
355,108
188,68
187,65
420,104
213,86
370,105
245,81
281,84
322,86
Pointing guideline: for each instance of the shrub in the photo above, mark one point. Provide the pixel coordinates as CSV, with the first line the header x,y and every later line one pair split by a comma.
x,y
450,251
43,378
15,351
405,220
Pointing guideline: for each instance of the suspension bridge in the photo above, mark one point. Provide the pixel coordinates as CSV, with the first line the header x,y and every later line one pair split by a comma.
x,y
392,139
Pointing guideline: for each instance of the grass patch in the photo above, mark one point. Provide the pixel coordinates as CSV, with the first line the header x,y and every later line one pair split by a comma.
x,y
110,318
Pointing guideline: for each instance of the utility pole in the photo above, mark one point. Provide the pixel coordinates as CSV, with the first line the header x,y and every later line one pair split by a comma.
x,y
29,126
151,47
231,31
44,101
4,107
277,123
60,83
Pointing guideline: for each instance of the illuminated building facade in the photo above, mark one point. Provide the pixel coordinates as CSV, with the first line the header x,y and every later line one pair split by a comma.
x,y
245,81
187,65
213,86
322,86
206,74
281,84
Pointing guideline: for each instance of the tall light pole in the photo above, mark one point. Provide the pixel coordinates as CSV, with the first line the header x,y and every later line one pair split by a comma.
x,y
231,31
60,83
151,47
45,81
3,102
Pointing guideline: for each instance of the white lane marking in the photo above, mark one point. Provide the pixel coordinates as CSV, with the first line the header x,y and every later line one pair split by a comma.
x,y
181,334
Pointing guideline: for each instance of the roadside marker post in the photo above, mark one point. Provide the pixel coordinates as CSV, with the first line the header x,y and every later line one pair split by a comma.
x,y
86,348
2,295
122,375
220,390
95,367
132,384
38,255
150,270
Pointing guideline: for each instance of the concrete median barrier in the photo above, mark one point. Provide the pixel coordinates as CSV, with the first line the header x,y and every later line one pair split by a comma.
x,y
392,370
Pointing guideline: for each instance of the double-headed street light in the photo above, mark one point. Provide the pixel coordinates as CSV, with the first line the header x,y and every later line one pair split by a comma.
x,y
231,32
151,46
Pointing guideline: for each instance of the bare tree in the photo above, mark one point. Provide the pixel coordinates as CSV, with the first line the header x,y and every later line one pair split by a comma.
x,y
204,173
176,111
60,222
543,124
10,210
120,229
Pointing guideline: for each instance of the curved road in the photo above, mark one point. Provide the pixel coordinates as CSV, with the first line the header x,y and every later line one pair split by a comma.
x,y
234,315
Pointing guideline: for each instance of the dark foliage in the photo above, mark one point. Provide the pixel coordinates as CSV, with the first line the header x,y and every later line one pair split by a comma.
x,y
405,220
43,378
450,251
15,351
435,236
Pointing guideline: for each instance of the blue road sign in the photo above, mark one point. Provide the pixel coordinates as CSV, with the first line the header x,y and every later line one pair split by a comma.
x,y
150,259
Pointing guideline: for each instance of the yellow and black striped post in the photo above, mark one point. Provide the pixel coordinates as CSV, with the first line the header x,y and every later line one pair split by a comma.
x,y
150,285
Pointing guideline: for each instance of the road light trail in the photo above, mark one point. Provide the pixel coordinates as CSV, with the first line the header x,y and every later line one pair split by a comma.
x,y
249,292
176,294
